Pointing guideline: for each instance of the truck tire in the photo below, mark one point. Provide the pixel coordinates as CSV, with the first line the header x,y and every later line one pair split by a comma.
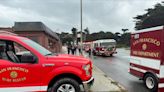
x,y
151,82
65,85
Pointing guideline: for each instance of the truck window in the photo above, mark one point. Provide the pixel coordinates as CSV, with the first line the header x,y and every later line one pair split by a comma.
x,y
37,47
14,52
21,51
3,54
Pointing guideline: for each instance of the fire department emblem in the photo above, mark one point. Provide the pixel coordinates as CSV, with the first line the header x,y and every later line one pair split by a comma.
x,y
144,46
13,74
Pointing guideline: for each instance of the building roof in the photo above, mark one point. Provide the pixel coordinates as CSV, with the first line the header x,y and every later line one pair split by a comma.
x,y
34,26
4,32
9,29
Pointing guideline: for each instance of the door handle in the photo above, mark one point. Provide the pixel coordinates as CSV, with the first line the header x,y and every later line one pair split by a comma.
x,y
48,65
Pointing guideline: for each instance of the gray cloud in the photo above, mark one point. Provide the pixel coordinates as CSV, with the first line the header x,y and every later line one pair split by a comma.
x,y
62,15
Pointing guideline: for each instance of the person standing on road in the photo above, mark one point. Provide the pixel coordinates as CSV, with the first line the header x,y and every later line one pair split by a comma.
x,y
89,52
79,48
68,48
73,49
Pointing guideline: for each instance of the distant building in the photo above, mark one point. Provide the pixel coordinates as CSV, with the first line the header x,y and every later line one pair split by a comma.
x,y
8,29
39,33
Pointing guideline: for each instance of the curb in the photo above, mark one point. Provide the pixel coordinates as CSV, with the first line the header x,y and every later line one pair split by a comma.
x,y
122,89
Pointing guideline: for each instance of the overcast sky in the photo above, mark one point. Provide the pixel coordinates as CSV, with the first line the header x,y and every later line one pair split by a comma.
x,y
62,15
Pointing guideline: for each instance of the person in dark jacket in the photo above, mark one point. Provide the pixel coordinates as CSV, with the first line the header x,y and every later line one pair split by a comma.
x,y
79,48
89,52
69,48
73,49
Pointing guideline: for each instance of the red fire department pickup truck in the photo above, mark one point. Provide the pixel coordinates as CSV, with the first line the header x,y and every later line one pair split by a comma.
x,y
147,57
25,66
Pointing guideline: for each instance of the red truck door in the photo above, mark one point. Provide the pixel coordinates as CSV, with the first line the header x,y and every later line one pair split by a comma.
x,y
14,74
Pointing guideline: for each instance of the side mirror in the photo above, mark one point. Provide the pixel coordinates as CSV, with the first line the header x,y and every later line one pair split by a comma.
x,y
28,58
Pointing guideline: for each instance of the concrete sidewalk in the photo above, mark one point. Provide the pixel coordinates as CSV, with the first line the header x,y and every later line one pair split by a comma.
x,y
102,81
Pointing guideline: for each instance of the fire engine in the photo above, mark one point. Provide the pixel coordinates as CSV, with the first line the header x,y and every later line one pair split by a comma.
x,y
105,47
147,57
25,66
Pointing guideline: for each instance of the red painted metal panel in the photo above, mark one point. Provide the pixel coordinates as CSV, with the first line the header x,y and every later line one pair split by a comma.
x,y
136,73
162,48
161,80
145,68
160,89
147,44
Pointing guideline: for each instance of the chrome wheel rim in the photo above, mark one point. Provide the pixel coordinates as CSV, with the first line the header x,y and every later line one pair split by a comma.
x,y
150,82
66,88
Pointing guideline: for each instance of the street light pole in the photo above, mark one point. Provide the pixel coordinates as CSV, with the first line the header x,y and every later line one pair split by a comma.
x,y
81,20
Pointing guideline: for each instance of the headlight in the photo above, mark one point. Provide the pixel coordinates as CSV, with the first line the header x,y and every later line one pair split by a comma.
x,y
87,68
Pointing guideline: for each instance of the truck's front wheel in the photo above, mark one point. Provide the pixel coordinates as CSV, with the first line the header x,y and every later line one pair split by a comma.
x,y
66,85
151,82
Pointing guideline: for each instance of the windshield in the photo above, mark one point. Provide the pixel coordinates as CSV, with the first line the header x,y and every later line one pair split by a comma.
x,y
37,47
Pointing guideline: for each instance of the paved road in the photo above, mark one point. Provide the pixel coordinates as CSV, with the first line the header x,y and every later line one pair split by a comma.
x,y
116,67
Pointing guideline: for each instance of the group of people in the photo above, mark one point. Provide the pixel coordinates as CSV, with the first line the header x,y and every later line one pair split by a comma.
x,y
72,49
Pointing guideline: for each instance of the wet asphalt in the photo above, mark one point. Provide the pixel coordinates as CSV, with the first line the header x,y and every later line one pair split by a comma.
x,y
117,67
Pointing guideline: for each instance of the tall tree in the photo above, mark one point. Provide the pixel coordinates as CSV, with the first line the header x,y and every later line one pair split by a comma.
x,y
124,30
125,39
153,17
86,30
65,38
100,35
74,34
117,36
86,33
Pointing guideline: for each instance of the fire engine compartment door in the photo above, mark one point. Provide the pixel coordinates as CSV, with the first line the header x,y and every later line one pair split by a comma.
x,y
133,66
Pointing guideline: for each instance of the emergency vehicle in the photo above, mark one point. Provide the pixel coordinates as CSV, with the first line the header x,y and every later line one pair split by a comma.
x,y
147,57
105,47
33,68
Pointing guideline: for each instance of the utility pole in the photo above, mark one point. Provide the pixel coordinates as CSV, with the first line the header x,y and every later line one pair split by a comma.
x,y
81,20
